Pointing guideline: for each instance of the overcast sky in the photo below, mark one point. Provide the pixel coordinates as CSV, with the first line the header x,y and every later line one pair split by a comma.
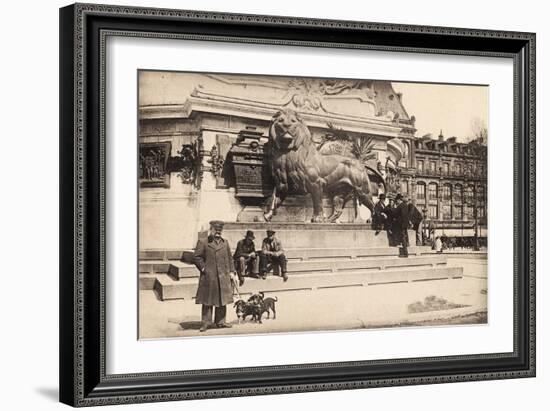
x,y
450,108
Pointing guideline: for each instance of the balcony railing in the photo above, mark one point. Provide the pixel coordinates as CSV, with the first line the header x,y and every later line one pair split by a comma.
x,y
451,173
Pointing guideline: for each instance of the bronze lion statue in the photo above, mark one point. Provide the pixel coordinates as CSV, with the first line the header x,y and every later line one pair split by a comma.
x,y
299,168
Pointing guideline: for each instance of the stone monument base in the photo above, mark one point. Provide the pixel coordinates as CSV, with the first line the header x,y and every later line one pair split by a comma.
x,y
300,209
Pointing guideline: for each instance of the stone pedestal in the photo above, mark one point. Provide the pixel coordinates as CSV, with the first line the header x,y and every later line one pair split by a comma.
x,y
309,235
299,209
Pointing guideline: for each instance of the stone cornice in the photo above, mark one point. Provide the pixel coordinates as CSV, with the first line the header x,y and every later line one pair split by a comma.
x,y
264,112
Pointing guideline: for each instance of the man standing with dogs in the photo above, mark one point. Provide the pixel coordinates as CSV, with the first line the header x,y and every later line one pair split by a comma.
x,y
217,275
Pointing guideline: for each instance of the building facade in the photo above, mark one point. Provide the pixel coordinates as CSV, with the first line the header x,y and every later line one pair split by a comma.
x,y
448,180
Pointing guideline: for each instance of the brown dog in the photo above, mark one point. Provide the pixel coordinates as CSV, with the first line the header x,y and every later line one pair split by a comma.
x,y
245,309
267,305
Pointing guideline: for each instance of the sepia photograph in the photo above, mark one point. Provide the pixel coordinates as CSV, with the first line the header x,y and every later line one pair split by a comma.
x,y
271,204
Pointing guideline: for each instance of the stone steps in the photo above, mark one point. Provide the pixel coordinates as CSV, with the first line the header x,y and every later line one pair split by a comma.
x,y
291,253
147,281
180,270
161,264
168,288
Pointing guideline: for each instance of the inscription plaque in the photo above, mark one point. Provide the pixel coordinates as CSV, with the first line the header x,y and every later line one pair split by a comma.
x,y
252,176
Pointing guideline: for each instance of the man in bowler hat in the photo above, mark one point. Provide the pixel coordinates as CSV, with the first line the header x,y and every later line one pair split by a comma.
x,y
379,215
245,257
272,253
217,274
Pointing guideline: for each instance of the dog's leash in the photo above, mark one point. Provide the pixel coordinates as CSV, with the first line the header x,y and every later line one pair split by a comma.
x,y
236,289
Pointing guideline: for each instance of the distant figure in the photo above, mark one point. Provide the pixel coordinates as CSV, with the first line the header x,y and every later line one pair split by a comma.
x,y
438,245
245,257
272,253
402,222
416,220
428,228
389,224
379,215
217,273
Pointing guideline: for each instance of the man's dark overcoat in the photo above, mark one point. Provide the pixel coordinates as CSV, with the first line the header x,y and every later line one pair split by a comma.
x,y
214,261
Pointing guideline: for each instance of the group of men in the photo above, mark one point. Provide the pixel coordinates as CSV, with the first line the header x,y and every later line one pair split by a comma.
x,y
396,217
220,270
218,276
257,263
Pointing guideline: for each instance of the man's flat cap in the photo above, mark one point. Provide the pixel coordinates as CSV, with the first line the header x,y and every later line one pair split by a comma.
x,y
216,223
270,231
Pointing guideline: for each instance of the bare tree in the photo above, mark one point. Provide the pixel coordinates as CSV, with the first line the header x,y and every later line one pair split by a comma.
x,y
479,130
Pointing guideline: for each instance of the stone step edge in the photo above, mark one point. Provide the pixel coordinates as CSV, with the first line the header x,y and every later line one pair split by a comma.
x,y
175,289
152,266
183,270
171,255
397,269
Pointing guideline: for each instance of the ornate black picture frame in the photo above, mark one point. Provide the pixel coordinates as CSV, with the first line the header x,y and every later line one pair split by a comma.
x,y
83,30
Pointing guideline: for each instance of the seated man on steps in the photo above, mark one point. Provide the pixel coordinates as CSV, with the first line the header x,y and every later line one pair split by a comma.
x,y
272,253
245,257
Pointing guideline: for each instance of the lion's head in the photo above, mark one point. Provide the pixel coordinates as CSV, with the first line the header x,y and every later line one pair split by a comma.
x,y
288,131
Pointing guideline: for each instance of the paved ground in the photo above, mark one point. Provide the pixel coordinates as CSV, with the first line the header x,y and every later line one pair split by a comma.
x,y
338,308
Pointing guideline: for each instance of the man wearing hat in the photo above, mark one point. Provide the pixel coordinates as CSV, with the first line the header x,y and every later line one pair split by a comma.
x,y
217,273
428,228
390,223
245,257
272,253
402,221
379,215
416,218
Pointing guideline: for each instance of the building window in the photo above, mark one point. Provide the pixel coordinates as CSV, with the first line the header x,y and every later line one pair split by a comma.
x,y
420,191
446,212
469,195
420,166
432,211
457,211
404,187
446,168
469,203
468,212
481,212
458,169
480,194
432,166
432,191
458,202
446,192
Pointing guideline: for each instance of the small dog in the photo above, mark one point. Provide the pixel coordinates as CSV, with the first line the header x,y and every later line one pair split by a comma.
x,y
244,309
256,298
267,305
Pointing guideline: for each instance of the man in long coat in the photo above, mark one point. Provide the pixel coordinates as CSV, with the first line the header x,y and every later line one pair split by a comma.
x,y
402,222
217,272
379,215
